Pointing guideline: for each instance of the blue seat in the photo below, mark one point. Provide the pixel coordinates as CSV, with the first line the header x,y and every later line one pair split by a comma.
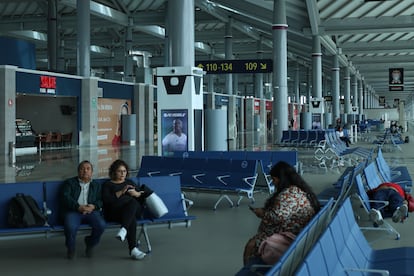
x,y
168,188
343,249
9,190
366,204
397,174
150,165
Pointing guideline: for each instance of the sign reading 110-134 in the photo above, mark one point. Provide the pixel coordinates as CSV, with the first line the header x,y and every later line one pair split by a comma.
x,y
236,66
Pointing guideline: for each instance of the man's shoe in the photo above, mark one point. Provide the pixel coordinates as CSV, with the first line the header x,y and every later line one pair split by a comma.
x,y
376,217
137,254
121,234
89,249
71,254
400,213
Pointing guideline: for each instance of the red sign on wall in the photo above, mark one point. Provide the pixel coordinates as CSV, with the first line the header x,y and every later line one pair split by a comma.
x,y
47,84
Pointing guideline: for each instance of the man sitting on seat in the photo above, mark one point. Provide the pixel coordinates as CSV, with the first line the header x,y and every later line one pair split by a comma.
x,y
397,199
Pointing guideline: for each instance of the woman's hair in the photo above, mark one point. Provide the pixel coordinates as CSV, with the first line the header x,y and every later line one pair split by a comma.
x,y
288,176
115,165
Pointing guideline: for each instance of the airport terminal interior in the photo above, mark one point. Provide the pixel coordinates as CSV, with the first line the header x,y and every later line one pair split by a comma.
x,y
106,79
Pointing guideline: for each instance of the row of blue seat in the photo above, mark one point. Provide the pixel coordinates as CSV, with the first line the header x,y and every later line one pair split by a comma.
x,y
224,176
302,138
342,249
266,160
224,172
325,259
47,195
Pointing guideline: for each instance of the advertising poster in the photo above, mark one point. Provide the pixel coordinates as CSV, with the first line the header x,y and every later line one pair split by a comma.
x,y
396,79
109,120
174,127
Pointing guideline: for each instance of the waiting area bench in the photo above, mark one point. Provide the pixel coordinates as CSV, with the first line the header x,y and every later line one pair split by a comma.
x,y
296,252
222,176
342,249
46,194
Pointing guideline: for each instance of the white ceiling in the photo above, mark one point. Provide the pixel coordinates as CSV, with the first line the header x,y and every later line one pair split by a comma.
x,y
369,36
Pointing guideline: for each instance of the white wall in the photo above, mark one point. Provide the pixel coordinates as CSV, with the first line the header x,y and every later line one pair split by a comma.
x,y
390,114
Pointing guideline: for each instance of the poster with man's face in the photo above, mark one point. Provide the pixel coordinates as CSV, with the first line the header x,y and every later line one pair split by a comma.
x,y
174,127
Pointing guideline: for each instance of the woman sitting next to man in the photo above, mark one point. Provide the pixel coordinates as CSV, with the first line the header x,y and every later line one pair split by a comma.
x,y
289,209
123,204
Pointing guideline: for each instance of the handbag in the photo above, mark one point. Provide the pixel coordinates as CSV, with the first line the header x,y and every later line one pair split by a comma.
x,y
273,247
155,205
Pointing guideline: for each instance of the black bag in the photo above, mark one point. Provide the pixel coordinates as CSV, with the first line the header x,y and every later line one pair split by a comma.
x,y
407,139
24,212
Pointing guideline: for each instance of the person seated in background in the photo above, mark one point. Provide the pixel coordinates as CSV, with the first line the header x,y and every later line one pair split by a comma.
x,y
397,207
342,136
289,209
81,202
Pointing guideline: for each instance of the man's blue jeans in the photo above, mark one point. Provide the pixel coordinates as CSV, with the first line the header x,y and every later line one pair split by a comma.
x,y
71,225
393,197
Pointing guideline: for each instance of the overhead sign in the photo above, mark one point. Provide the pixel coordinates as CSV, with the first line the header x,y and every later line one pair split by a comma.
x,y
234,66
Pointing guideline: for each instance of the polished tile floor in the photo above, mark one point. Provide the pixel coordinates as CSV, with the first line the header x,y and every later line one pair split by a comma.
x,y
213,245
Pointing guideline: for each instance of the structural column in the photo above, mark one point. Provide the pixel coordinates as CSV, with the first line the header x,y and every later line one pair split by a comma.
x,y
316,68
84,38
280,104
8,110
297,84
335,89
52,35
182,32
128,65
361,96
258,78
355,90
347,92
229,54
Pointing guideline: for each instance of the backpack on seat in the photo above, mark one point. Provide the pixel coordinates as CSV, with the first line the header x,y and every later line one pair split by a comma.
x,y
24,212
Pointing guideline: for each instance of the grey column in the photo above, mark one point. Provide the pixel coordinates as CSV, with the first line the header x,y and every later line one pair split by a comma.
x,y
128,62
309,87
167,39
297,84
210,79
361,96
84,38
316,67
280,95
8,110
89,112
149,119
335,89
229,55
258,78
52,35
347,91
61,64
355,90
235,83
111,69
139,110
182,32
